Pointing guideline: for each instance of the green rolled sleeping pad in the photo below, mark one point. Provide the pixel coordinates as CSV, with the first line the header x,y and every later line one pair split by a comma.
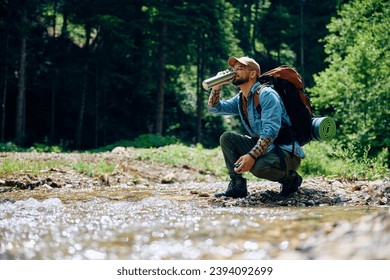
x,y
323,129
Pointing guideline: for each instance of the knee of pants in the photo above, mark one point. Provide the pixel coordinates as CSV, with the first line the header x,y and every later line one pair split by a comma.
x,y
268,167
225,137
271,174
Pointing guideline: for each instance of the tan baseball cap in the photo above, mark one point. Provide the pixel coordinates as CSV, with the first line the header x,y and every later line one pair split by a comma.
x,y
250,62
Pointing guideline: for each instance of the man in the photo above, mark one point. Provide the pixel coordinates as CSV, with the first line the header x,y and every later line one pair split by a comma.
x,y
256,153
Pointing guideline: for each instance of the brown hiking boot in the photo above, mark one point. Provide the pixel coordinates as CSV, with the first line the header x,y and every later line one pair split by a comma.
x,y
236,189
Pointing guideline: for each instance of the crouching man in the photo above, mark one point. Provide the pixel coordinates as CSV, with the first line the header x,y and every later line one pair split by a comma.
x,y
263,118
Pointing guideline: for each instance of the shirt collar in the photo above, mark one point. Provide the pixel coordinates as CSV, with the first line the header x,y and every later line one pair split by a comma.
x,y
255,87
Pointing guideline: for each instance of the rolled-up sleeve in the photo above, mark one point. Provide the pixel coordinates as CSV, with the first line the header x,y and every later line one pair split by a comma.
x,y
226,107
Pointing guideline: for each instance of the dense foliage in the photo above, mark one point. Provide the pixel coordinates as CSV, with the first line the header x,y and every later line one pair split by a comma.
x,y
355,87
86,74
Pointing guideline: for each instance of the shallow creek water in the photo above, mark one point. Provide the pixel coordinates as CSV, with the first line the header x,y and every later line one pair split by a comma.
x,y
151,222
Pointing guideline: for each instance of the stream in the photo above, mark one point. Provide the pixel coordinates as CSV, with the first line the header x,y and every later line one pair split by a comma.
x,y
155,222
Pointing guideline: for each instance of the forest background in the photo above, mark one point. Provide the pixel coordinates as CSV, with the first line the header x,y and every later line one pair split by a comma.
x,y
88,74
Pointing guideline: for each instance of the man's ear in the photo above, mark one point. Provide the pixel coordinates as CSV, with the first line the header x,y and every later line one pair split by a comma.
x,y
253,74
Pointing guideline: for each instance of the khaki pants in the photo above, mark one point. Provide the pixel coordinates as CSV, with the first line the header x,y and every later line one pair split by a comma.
x,y
267,166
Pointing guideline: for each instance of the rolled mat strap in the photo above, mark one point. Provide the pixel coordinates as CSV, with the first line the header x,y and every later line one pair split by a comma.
x,y
323,129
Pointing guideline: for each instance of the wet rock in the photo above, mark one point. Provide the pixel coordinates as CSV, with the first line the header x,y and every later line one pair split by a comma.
x,y
376,184
356,188
105,180
55,185
169,178
310,203
119,150
337,184
325,200
44,187
203,194
4,189
383,201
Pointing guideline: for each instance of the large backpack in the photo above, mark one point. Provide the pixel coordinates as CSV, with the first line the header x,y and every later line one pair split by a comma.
x,y
288,84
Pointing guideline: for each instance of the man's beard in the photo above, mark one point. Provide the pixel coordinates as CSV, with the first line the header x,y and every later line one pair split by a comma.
x,y
240,81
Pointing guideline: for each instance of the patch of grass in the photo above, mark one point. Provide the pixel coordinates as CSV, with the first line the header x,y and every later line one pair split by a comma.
x,y
205,160
318,160
362,167
12,166
94,169
330,160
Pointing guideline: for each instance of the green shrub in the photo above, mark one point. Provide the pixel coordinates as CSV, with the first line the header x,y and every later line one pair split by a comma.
x,y
142,141
153,141
9,147
330,159
43,148
362,167
318,160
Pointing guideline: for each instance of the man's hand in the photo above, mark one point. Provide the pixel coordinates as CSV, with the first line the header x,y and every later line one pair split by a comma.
x,y
219,87
245,163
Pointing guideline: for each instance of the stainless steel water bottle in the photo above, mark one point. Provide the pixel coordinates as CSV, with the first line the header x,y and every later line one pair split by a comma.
x,y
217,80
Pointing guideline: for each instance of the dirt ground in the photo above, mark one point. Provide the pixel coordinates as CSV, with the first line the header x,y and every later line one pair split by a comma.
x,y
130,170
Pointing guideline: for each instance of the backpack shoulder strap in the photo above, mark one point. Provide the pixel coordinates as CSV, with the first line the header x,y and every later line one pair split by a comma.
x,y
256,97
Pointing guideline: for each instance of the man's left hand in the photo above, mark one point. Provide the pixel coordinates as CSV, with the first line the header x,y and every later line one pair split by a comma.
x,y
246,162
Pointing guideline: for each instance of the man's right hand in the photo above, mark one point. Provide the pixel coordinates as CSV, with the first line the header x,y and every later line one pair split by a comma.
x,y
219,87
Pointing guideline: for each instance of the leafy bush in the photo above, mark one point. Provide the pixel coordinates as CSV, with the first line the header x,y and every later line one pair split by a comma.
x,y
330,159
353,88
153,141
10,147
142,141
42,148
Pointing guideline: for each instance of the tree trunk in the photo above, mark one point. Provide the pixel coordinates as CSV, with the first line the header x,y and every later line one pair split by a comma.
x,y
4,97
161,80
302,42
199,94
21,98
53,106
97,103
80,124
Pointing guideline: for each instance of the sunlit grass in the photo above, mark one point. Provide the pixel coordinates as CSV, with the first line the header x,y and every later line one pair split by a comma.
x,y
94,169
12,166
205,160
36,166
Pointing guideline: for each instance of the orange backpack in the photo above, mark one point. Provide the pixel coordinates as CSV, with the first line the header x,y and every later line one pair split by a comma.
x,y
287,82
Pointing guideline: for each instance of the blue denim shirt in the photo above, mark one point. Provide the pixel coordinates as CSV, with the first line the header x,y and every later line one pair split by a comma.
x,y
268,124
